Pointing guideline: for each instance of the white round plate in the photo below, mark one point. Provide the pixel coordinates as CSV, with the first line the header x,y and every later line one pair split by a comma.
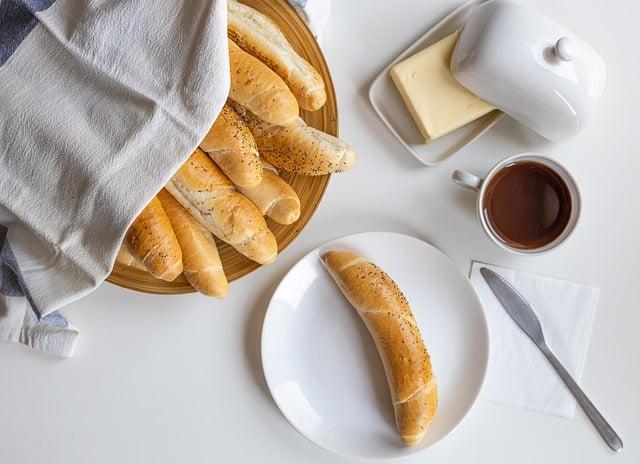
x,y
321,364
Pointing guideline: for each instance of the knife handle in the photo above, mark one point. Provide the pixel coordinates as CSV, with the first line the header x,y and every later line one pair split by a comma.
x,y
606,431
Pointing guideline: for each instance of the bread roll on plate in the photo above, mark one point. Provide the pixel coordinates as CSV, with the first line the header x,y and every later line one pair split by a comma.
x,y
261,90
298,148
202,188
200,258
231,146
150,239
259,36
386,313
274,197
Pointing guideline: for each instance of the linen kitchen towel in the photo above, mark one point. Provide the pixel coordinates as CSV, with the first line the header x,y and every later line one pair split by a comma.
x,y
100,103
315,13
518,373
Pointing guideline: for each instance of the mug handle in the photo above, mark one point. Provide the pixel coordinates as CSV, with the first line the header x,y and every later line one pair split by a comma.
x,y
467,180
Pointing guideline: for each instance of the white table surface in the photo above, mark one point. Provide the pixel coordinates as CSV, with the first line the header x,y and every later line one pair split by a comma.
x,y
178,379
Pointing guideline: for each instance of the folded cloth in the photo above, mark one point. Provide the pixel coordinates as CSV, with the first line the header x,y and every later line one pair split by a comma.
x,y
100,103
518,373
20,321
315,13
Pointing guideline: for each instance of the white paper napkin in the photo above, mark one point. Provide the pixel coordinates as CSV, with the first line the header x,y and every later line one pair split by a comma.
x,y
518,373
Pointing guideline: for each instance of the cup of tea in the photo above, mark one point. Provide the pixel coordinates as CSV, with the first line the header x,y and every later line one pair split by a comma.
x,y
527,204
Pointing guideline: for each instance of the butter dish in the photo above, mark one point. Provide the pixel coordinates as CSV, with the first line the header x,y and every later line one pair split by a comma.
x,y
438,103
530,67
393,112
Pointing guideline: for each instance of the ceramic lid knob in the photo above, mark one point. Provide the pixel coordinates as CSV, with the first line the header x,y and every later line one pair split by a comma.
x,y
565,50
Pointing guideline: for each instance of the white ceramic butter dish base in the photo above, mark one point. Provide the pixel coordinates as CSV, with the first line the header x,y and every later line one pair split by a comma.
x,y
389,105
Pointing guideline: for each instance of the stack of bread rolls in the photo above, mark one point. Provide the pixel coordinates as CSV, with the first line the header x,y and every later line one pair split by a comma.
x,y
231,182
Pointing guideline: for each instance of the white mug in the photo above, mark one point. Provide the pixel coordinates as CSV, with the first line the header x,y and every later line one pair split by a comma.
x,y
478,185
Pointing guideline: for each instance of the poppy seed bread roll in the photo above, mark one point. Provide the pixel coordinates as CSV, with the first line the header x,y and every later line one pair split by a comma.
x,y
386,313
259,36
298,148
126,259
261,90
151,241
200,259
274,197
231,146
202,188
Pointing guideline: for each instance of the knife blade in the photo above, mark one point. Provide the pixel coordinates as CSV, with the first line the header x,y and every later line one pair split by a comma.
x,y
525,317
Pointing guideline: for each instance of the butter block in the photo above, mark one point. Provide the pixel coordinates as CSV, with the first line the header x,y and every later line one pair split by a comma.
x,y
436,101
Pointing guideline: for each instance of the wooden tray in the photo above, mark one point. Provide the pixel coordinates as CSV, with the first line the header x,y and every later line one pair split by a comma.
x,y
310,189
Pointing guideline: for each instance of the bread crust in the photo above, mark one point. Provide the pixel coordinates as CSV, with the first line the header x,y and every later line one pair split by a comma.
x,y
126,259
298,148
259,36
231,146
151,241
200,259
387,314
202,188
261,90
274,197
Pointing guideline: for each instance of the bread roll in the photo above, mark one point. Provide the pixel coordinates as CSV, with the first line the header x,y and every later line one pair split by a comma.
x,y
258,88
126,259
200,258
274,197
231,146
150,239
386,313
298,148
257,35
202,188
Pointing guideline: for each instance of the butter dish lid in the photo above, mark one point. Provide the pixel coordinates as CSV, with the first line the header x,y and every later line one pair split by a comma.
x,y
530,67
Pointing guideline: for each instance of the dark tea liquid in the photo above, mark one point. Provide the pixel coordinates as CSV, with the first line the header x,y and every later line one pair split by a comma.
x,y
527,205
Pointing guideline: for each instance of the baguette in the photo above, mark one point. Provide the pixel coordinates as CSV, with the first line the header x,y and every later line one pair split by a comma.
x,y
386,313
254,85
200,258
202,188
126,259
259,36
298,148
231,146
150,239
274,197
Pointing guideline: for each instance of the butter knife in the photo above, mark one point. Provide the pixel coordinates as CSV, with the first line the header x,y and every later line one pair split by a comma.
x,y
523,315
